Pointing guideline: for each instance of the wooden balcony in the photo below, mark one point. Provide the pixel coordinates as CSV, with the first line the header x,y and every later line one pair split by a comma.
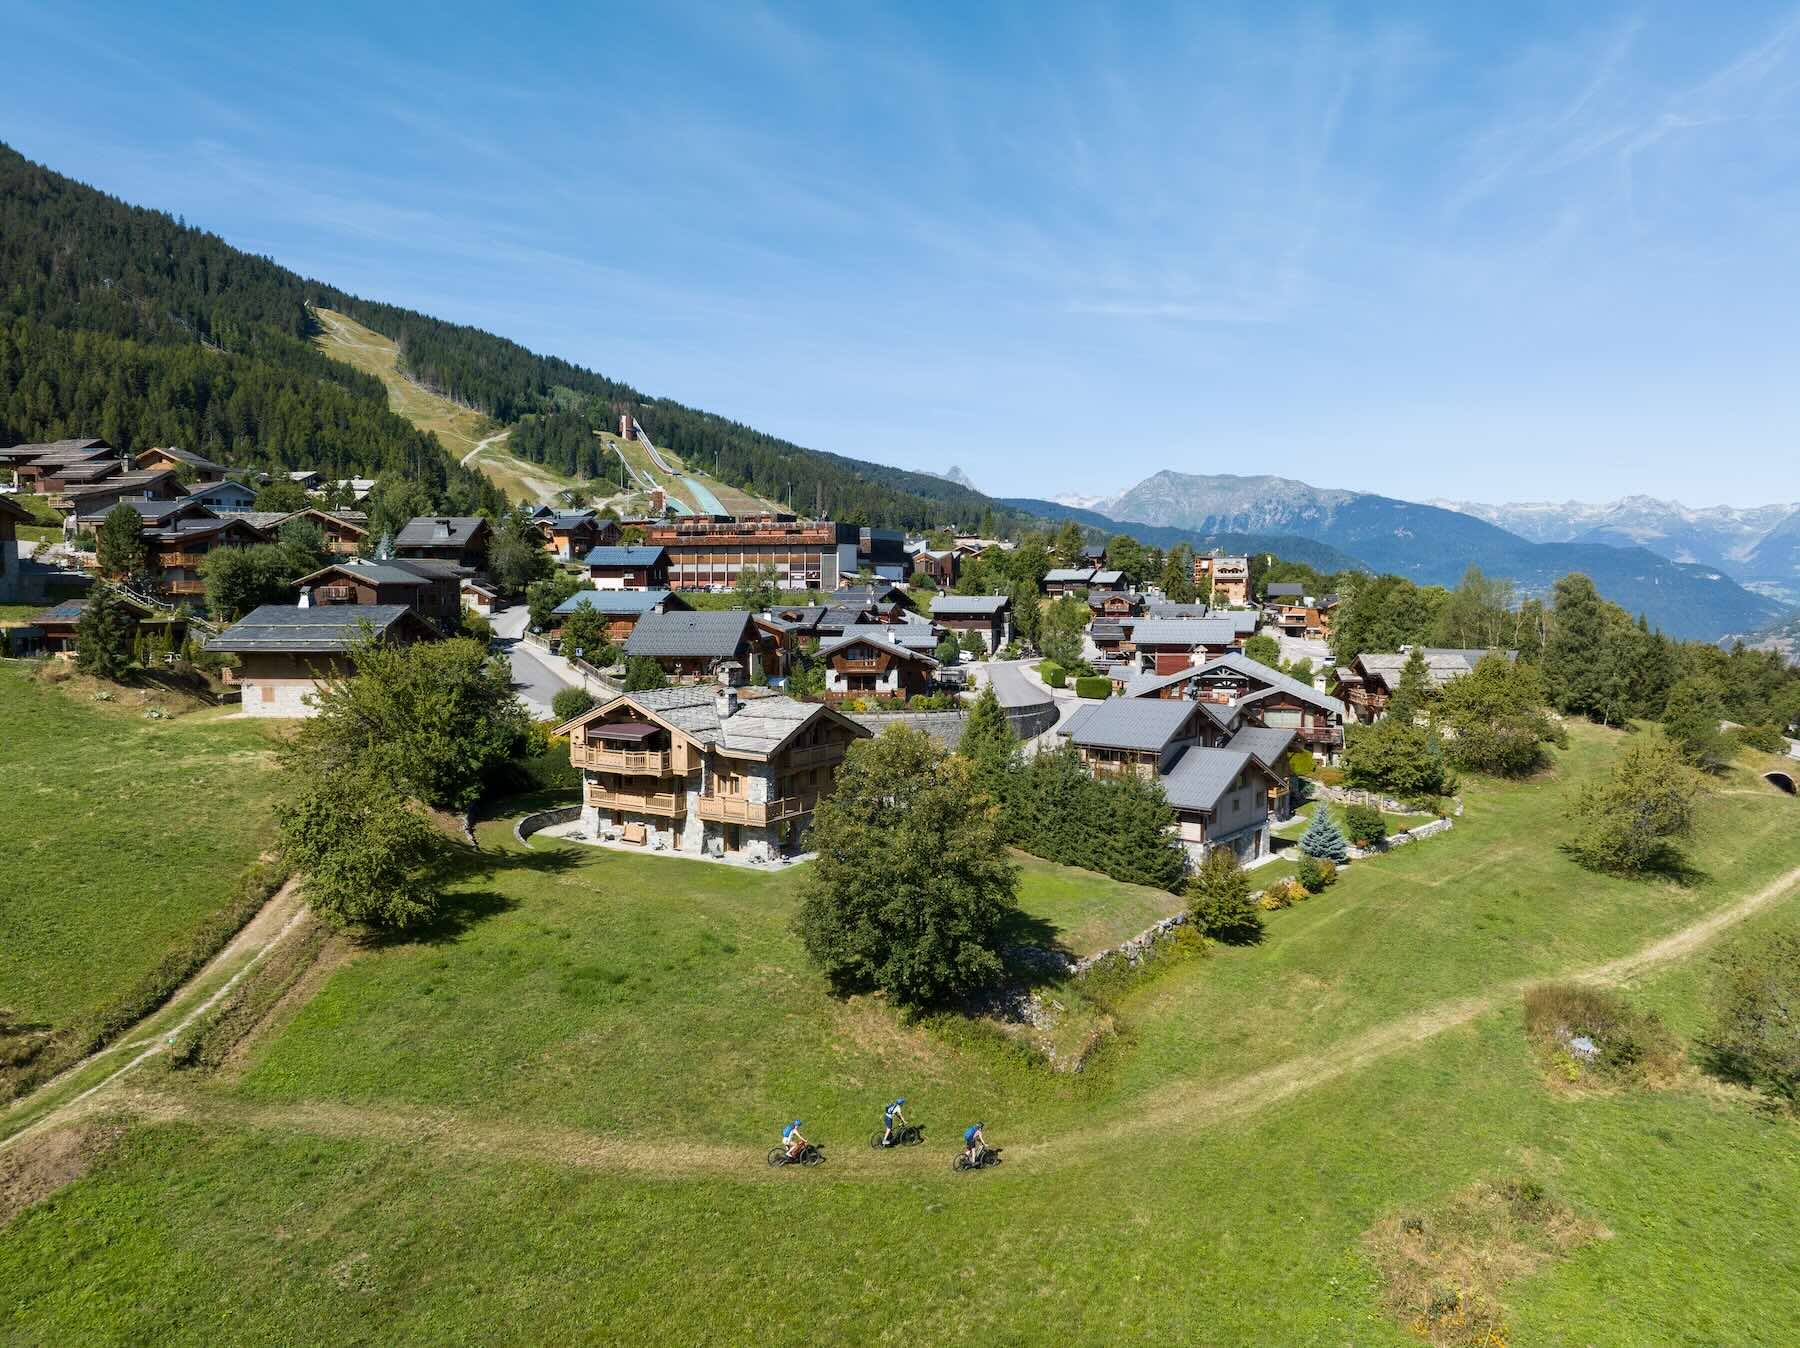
x,y
184,586
813,756
737,810
669,803
1329,736
650,763
184,559
335,594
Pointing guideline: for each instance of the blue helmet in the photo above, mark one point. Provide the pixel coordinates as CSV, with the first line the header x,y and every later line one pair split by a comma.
x,y
795,1124
901,1100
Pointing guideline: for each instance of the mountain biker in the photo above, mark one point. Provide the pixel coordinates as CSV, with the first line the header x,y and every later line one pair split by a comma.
x,y
791,1139
973,1142
894,1114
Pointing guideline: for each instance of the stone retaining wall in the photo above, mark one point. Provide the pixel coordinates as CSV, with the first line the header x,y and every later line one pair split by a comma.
x,y
1348,795
529,824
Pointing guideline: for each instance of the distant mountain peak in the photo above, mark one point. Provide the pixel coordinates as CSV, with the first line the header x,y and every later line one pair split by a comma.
x,y
956,475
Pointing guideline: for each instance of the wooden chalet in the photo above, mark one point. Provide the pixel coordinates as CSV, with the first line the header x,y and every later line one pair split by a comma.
x,y
461,540
697,645
1237,691
198,467
1164,645
706,771
1368,683
620,608
433,590
176,546
572,534
867,666
989,616
1223,580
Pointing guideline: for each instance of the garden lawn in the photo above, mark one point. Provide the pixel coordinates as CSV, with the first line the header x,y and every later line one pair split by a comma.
x,y
1083,912
121,836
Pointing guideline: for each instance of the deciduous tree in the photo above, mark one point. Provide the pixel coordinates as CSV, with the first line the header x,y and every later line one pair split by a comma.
x,y
912,887
1631,822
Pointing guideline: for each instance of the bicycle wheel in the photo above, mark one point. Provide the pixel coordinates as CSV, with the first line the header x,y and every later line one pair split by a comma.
x,y
875,1139
813,1156
776,1156
960,1163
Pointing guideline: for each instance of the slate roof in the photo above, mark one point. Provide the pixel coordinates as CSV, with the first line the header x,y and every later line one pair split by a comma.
x,y
759,726
1148,685
1243,621
910,636
186,456
1442,664
376,573
614,601
1107,577
1266,744
1078,718
893,648
1283,590
572,519
45,448
1133,723
155,513
968,605
702,636
118,482
1191,633
1068,574
636,554
805,617
261,519
1178,610
319,629
228,486
1201,776
439,531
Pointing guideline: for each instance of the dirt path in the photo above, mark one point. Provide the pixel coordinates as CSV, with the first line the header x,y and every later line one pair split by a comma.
x,y
1227,1101
1172,1108
261,934
483,444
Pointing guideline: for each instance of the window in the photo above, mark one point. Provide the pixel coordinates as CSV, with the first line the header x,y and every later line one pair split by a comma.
x,y
268,692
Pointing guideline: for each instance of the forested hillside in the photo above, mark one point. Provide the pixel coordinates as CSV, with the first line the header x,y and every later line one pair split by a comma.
x,y
559,404
125,323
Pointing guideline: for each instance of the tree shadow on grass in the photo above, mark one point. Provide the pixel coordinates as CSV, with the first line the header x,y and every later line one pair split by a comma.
x,y
1033,951
1668,863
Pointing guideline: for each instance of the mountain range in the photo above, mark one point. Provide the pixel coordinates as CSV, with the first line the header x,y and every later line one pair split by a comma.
x,y
1757,546
1433,544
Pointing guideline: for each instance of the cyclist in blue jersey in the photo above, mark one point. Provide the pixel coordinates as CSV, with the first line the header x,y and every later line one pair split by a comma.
x,y
791,1139
973,1142
894,1116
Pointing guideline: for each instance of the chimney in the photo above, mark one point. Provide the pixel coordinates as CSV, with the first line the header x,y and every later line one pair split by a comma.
x,y
306,596
725,701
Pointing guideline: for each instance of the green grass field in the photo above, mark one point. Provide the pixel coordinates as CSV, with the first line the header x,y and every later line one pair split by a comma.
x,y
544,1124
121,835
458,427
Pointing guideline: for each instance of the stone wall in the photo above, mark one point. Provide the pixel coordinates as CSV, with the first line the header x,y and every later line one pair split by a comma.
x,y
529,824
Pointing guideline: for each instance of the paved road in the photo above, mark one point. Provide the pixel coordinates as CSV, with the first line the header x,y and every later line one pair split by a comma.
x,y
1017,685
537,678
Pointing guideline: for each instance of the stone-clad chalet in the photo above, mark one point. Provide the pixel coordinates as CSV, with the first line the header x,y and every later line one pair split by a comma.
x,y
285,651
707,770
870,662
1238,691
701,644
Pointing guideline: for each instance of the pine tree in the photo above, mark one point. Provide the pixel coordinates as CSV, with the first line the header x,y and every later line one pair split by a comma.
x,y
1575,664
1323,839
992,750
103,638
119,543
1415,689
1219,898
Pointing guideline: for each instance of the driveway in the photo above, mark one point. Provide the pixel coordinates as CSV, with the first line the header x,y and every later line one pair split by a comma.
x,y
537,675
1016,684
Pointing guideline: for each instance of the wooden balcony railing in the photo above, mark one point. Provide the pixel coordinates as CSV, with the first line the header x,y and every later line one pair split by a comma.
x,y
651,763
1330,735
737,810
336,594
673,803
813,756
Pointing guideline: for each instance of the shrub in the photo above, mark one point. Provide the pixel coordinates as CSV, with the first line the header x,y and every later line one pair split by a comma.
x,y
1302,763
570,703
1629,823
1628,1044
1052,673
1364,824
1219,898
1331,776
1755,1033
1767,738
1315,874
1274,898
1093,685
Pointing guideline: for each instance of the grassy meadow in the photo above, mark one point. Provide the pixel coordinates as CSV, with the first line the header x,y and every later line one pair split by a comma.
x,y
121,837
544,1121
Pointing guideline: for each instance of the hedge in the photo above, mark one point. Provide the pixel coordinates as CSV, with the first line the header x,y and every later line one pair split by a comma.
x,y
1093,685
1053,674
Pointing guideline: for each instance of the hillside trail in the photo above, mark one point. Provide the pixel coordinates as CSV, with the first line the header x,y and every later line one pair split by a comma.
x,y
1174,1108
483,444
268,928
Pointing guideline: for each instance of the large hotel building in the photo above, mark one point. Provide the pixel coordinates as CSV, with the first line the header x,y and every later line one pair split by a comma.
x,y
709,550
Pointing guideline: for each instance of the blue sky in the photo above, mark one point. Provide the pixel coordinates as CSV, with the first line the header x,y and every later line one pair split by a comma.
x,y
1493,252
